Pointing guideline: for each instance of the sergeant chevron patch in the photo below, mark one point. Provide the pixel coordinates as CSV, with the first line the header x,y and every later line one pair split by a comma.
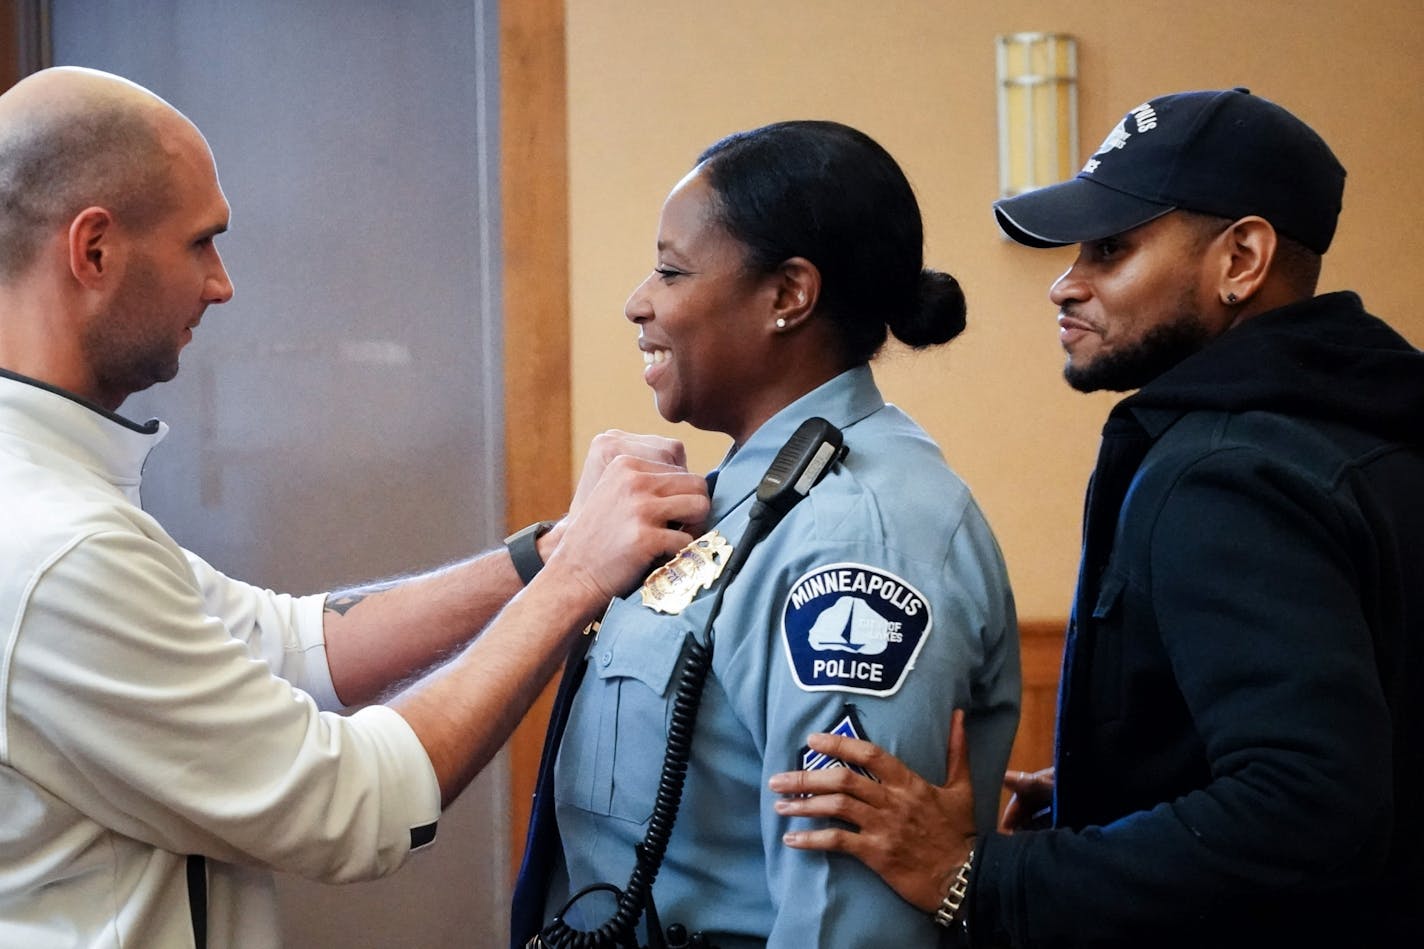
x,y
848,727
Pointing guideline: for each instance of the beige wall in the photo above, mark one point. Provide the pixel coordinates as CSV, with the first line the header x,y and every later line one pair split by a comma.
x,y
651,83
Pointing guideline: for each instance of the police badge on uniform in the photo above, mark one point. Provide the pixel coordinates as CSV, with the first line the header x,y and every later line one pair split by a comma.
x,y
671,587
850,627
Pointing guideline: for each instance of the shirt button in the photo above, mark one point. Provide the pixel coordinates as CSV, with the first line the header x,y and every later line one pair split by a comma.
x,y
607,657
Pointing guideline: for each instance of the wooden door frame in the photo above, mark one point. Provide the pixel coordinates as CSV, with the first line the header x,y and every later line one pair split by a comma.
x,y
537,394
25,41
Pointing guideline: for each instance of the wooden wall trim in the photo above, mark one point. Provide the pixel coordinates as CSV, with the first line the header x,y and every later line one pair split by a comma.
x,y
537,401
1041,658
1041,645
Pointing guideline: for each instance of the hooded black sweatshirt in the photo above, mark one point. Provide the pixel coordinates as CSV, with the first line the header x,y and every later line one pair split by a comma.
x,y
1240,746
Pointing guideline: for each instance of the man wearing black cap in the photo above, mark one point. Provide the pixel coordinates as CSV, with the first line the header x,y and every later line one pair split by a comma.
x,y
1241,710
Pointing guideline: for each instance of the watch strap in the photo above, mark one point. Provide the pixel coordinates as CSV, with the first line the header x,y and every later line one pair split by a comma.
x,y
524,550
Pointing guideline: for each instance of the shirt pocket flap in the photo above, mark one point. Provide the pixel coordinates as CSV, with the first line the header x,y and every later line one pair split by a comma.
x,y
640,644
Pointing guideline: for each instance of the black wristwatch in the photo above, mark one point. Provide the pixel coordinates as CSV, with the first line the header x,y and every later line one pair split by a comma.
x,y
524,550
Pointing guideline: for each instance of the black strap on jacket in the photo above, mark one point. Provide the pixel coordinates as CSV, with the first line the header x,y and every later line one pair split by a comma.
x,y
198,898
542,845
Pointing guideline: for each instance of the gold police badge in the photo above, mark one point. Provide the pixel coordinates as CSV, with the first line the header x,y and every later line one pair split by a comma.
x,y
671,587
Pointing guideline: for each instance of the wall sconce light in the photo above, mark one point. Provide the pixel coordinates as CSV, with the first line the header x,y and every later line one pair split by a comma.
x,y
1038,110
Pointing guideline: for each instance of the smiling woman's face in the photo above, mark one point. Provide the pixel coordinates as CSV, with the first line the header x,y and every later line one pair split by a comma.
x,y
704,319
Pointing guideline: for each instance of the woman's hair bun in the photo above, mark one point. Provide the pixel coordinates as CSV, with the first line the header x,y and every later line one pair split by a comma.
x,y
939,313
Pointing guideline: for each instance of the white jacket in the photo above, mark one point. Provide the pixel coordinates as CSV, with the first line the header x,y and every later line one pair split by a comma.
x,y
152,708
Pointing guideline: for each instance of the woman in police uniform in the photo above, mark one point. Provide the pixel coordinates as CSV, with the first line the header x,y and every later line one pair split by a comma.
x,y
877,607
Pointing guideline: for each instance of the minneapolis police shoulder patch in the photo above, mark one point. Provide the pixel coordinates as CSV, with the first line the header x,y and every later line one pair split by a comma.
x,y
849,627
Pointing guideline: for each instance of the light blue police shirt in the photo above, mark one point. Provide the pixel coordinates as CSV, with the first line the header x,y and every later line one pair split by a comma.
x,y
883,593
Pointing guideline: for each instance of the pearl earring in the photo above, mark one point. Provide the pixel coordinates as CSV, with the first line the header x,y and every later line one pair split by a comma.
x,y
781,323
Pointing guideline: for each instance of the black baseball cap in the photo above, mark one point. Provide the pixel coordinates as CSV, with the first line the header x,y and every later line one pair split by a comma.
x,y
1221,152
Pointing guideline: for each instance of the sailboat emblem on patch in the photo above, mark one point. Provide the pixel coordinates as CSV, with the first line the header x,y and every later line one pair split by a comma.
x,y
849,627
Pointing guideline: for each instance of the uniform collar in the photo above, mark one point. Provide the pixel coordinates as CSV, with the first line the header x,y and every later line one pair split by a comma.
x,y
109,445
842,401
